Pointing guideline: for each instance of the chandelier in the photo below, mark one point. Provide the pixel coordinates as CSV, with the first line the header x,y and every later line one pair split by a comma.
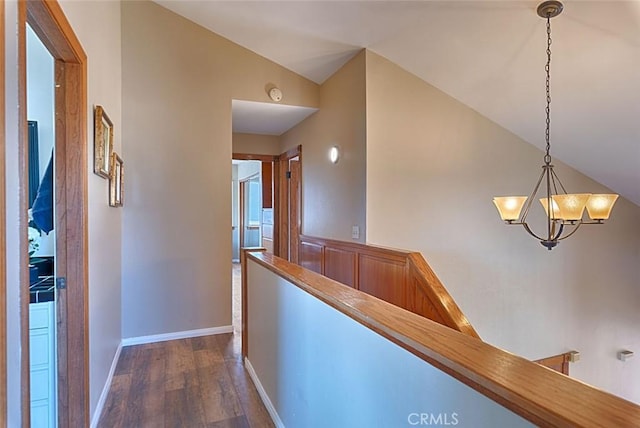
x,y
563,210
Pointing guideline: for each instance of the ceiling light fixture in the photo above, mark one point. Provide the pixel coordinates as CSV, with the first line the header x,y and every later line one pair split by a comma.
x,y
563,210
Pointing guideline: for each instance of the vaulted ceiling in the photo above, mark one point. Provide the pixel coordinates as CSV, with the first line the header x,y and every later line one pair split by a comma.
x,y
489,55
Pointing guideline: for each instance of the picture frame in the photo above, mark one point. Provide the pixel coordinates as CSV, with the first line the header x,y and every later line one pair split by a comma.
x,y
102,143
116,181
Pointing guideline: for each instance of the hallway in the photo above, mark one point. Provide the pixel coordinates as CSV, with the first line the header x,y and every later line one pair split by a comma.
x,y
191,383
196,382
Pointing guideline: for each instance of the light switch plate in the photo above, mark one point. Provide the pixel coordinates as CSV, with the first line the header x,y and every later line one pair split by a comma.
x,y
355,232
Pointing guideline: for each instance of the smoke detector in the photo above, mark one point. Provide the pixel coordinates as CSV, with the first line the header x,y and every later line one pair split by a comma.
x,y
275,94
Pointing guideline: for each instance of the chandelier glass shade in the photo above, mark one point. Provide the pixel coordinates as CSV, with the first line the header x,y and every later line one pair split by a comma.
x,y
564,211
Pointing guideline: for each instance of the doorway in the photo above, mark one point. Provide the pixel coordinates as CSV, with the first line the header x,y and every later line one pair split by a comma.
x,y
69,208
246,230
247,203
41,232
251,211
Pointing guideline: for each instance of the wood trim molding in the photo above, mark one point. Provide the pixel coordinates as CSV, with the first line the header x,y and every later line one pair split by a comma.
x,y
401,277
291,153
61,245
552,400
276,208
23,168
77,259
281,201
281,215
249,156
48,21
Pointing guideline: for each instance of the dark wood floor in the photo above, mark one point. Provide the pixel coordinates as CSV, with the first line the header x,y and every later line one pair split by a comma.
x,y
191,383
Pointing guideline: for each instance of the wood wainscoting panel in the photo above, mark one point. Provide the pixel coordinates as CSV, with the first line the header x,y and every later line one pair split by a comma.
x,y
312,256
401,277
429,286
340,265
383,278
418,302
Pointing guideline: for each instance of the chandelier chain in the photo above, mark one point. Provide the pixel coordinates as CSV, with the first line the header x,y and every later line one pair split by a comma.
x,y
547,67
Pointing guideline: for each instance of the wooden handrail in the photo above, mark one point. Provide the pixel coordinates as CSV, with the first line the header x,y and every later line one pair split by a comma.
x,y
540,395
559,363
401,277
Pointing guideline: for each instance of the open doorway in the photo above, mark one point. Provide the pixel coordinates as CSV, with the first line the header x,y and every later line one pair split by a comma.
x,y
41,233
247,205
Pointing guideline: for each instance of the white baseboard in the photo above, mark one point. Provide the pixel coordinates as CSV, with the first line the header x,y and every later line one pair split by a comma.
x,y
140,340
105,390
263,395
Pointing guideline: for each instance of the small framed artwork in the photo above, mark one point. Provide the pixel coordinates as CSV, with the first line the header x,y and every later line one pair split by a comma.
x,y
102,143
116,181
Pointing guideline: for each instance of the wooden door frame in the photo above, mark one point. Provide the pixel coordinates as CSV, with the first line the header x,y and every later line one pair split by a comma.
x,y
281,214
241,208
48,21
295,182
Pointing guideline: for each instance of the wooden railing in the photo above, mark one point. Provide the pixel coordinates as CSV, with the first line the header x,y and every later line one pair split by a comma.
x,y
402,278
542,396
559,363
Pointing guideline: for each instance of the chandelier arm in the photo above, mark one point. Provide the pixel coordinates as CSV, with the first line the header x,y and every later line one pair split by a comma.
x,y
598,221
523,217
557,236
556,179
530,232
553,180
575,229
551,214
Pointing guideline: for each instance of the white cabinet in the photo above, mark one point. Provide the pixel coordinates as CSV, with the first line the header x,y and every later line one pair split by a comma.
x,y
42,364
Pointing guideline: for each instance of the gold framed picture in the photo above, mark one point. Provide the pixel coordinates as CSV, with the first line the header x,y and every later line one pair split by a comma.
x,y
116,181
102,143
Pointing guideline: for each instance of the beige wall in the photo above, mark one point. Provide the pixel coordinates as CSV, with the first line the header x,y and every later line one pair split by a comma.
x,y
333,196
93,23
178,80
433,166
256,144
